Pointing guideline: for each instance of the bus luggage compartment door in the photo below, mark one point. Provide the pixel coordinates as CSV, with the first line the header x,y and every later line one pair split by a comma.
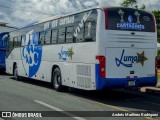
x,y
130,62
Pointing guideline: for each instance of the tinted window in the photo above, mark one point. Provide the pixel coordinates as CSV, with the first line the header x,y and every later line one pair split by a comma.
x,y
11,42
47,37
82,28
90,31
15,41
41,37
130,20
19,41
54,36
30,39
23,40
80,37
61,35
69,34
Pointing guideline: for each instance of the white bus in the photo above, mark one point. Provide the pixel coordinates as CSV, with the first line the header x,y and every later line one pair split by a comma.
x,y
92,50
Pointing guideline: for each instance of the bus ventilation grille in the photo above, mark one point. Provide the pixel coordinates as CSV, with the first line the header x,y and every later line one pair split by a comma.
x,y
83,74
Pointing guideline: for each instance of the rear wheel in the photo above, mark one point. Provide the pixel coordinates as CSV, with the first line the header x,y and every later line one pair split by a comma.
x,y
57,80
15,72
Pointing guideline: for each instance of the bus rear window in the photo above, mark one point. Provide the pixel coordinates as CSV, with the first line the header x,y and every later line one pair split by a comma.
x,y
129,19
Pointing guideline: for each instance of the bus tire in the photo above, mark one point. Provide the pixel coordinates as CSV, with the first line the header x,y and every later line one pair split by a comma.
x,y
57,80
15,72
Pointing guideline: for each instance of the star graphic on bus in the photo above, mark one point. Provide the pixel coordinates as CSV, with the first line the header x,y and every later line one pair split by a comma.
x,y
71,53
141,58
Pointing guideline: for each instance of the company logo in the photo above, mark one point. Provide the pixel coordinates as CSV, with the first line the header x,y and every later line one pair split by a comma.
x,y
121,13
130,18
128,61
130,25
63,55
6,114
146,18
31,54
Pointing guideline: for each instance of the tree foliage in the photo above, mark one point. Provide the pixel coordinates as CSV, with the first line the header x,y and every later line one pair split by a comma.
x,y
132,4
158,53
157,17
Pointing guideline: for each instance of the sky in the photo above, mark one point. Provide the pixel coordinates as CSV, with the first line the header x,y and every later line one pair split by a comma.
x,y
19,13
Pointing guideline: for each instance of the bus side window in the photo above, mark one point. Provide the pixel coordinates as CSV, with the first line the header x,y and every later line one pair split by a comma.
x,y
30,39
80,34
15,41
69,34
19,41
41,38
54,36
48,37
23,39
11,42
61,35
90,31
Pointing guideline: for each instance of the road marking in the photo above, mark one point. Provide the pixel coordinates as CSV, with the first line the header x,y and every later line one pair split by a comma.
x,y
58,109
114,107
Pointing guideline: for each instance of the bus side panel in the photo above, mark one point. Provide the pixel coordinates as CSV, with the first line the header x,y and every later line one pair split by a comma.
x,y
77,69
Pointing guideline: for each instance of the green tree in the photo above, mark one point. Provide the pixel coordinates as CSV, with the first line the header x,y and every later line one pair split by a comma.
x,y
132,4
157,16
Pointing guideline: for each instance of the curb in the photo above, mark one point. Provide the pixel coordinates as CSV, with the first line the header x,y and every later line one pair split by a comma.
x,y
152,90
158,85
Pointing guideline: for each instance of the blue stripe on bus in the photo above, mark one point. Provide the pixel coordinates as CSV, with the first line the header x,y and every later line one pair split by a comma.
x,y
109,83
2,59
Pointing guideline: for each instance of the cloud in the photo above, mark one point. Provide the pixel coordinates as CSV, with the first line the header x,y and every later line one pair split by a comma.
x,y
21,12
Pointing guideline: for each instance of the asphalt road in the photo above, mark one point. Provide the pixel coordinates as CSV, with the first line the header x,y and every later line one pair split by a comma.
x,y
32,95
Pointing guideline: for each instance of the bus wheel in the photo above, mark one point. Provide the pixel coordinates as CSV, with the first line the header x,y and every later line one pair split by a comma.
x,y
57,80
16,72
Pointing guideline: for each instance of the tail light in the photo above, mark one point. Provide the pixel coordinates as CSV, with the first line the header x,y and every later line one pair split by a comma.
x,y
156,66
102,62
106,18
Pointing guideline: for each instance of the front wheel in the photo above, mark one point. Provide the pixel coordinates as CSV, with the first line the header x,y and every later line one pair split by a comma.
x,y
57,80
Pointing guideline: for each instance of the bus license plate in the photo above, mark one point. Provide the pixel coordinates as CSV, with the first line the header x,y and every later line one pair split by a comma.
x,y
131,83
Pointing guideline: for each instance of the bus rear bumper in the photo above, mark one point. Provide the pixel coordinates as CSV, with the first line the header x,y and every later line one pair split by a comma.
x,y
111,83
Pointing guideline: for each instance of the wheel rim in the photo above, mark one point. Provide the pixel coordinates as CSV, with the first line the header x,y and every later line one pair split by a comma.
x,y
57,79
